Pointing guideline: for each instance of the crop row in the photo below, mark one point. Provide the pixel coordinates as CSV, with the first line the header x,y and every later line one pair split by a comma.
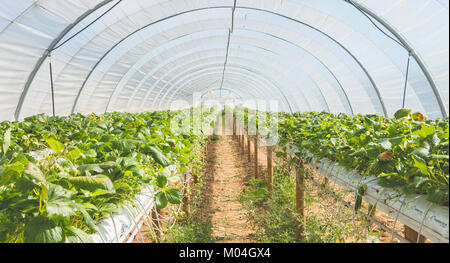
x,y
85,169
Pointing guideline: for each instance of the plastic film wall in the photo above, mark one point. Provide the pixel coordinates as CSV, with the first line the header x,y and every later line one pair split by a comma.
x,y
136,55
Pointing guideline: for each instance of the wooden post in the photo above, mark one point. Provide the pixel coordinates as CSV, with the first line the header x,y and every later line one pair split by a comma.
x,y
269,171
372,210
234,127
256,155
187,196
155,223
300,198
411,235
242,140
249,148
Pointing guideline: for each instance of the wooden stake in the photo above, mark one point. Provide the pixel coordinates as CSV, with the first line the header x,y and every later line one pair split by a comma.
x,y
411,235
249,148
234,127
300,204
256,156
269,171
187,196
372,210
155,223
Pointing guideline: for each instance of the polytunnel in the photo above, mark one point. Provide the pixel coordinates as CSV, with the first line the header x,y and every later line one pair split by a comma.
x,y
336,56
349,67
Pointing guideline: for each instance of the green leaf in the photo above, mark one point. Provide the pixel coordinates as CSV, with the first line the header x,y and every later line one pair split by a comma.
x,y
90,169
421,152
6,141
59,202
425,131
402,113
174,196
419,181
421,165
34,175
90,153
126,145
439,157
93,183
76,235
99,192
55,145
160,200
438,195
158,156
161,180
385,143
42,230
74,154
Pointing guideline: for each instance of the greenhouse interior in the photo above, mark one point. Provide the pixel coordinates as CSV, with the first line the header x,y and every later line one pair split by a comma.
x,y
224,121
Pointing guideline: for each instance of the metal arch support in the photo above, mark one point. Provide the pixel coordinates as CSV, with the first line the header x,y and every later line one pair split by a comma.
x,y
321,62
377,91
410,49
38,65
233,79
145,78
236,91
326,104
217,72
252,72
249,8
256,73
126,37
269,35
46,53
314,58
251,85
194,10
247,71
98,62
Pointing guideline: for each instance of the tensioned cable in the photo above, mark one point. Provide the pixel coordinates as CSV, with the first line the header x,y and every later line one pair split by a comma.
x,y
88,25
63,43
381,30
393,39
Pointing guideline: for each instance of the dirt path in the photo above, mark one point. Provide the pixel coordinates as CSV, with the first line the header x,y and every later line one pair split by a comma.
x,y
227,171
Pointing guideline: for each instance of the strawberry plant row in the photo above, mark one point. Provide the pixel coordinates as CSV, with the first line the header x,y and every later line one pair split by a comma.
x,y
96,164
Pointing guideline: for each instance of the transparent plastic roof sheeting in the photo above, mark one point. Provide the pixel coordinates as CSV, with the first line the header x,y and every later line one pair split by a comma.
x,y
312,55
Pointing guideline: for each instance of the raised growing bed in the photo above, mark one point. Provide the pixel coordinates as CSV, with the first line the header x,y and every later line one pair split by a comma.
x,y
122,226
426,218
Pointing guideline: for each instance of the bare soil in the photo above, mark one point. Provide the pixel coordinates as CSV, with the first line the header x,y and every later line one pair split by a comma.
x,y
226,173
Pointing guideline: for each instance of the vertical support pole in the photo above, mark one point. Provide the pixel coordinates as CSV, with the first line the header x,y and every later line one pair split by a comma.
x,y
269,171
155,223
249,148
187,195
256,156
411,235
300,201
372,210
243,141
234,127
223,124
51,84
